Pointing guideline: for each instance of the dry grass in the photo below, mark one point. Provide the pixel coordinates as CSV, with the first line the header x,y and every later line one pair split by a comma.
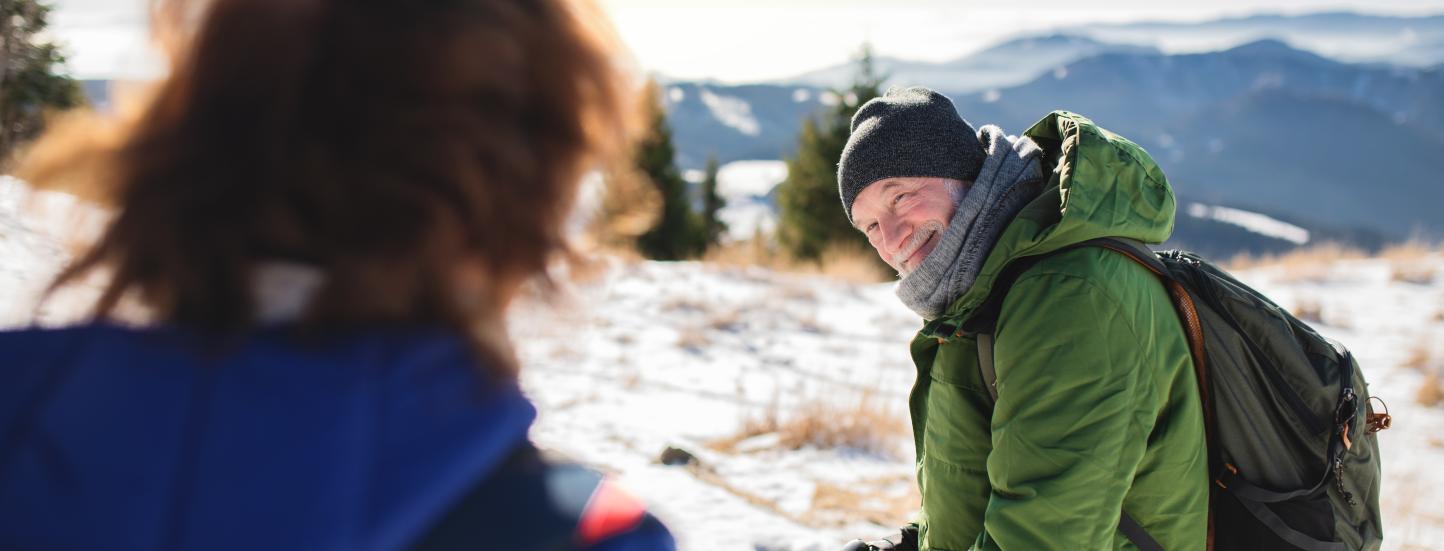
x,y
873,500
1418,358
1412,261
853,264
693,338
1306,264
1308,310
859,422
1431,391
725,320
844,263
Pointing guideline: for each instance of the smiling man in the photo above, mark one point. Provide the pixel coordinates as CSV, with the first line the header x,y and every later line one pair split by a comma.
x,y
1055,405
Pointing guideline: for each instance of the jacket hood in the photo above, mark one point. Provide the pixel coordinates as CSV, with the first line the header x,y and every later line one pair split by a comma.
x,y
162,439
1102,185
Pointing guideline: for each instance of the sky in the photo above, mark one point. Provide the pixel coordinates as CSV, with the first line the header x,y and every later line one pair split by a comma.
x,y
755,40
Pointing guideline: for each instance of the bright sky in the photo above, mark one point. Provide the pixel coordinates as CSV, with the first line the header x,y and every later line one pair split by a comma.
x,y
751,40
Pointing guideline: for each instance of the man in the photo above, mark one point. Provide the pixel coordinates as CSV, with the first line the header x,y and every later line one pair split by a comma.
x,y
1097,416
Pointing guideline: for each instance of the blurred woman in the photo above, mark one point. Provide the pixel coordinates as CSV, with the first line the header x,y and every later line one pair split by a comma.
x,y
325,209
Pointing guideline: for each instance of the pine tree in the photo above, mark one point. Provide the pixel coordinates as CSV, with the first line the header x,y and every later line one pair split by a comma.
x,y
712,204
29,84
678,232
811,217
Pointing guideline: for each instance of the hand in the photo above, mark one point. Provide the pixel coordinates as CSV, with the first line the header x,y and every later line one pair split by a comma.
x,y
905,540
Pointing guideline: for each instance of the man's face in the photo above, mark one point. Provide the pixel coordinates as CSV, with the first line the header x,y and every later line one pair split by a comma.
x,y
904,218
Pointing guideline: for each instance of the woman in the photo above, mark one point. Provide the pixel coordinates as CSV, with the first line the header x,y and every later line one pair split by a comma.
x,y
324,211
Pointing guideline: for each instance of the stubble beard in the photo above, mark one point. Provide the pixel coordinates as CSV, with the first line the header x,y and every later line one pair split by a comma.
x,y
919,238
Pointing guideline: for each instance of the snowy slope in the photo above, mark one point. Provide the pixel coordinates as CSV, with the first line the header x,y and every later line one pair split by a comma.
x,y
644,383
645,356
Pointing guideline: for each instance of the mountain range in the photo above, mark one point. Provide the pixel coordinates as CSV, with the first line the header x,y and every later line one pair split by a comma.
x,y
1332,122
1347,150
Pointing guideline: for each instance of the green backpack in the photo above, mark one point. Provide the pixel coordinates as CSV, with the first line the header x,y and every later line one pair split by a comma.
x,y
1290,428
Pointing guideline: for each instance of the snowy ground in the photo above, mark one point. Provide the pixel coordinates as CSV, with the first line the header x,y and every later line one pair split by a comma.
x,y
647,356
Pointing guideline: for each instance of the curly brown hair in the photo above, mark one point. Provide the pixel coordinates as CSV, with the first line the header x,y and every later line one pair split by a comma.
x,y
422,154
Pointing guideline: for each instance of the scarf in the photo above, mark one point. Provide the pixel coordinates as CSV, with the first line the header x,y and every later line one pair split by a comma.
x,y
1011,177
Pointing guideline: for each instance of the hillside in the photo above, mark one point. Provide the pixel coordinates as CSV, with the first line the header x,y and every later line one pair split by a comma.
x,y
1008,63
788,392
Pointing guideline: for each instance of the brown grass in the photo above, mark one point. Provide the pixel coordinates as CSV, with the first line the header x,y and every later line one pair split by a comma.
x,y
1308,310
725,320
873,500
1311,263
861,422
844,263
1418,358
1412,261
693,338
1431,392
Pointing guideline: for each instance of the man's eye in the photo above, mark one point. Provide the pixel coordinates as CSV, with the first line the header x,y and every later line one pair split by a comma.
x,y
899,197
870,227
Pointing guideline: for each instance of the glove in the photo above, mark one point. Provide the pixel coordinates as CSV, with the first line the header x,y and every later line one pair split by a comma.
x,y
906,540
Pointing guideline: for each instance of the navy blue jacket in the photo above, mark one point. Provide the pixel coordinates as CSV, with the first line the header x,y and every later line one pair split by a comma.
x,y
161,439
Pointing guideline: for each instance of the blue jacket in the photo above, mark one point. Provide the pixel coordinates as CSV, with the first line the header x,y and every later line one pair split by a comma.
x,y
160,439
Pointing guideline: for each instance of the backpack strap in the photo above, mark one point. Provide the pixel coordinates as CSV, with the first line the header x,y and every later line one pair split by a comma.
x,y
984,323
529,503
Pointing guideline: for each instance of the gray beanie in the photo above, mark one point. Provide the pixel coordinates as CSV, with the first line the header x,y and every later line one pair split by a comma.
x,y
914,132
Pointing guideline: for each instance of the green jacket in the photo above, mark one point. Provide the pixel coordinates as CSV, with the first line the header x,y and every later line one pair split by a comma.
x,y
1097,409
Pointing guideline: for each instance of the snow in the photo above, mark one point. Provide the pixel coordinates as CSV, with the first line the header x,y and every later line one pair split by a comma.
x,y
647,355
746,187
1251,221
732,111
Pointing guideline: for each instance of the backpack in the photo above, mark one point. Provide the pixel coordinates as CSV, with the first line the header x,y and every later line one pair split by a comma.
x,y
1290,430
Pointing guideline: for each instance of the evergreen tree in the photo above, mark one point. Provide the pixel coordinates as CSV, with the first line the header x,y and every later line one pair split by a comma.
x,y
29,84
811,217
712,204
678,231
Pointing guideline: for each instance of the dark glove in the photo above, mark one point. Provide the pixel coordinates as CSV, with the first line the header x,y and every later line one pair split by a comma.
x,y
905,540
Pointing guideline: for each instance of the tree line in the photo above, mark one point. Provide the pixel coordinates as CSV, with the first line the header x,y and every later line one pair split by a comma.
x,y
810,217
646,204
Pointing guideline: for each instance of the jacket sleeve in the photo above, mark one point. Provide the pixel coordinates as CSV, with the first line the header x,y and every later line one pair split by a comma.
x,y
1069,427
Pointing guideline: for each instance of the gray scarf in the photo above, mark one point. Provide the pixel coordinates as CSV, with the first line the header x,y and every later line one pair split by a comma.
x,y
1011,177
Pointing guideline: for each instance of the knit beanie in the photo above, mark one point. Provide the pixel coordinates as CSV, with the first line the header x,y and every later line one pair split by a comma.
x,y
914,132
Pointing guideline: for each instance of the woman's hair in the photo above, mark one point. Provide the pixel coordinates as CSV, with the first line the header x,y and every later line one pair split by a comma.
x,y
422,154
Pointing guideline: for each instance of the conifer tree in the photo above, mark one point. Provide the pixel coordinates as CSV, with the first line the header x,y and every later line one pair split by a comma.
x,y
678,231
712,204
811,217
29,83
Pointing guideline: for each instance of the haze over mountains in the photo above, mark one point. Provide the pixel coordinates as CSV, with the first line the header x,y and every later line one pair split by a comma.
x,y
1330,122
1347,149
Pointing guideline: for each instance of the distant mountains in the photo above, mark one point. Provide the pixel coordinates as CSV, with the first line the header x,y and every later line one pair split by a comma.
x,y
1008,64
1345,36
1262,124
1348,150
1330,122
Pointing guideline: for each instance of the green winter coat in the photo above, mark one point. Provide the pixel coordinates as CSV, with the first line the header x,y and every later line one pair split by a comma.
x,y
1098,409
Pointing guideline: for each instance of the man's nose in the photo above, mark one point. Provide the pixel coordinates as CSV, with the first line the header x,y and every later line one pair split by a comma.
x,y
894,233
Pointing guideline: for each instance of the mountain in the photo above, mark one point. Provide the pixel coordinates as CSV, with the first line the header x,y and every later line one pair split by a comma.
x,y
1346,151
1262,124
1352,37
755,121
1006,64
